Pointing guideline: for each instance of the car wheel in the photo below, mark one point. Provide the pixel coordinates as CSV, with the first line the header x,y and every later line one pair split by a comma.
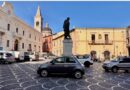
x,y
126,71
44,73
115,69
106,70
87,64
78,74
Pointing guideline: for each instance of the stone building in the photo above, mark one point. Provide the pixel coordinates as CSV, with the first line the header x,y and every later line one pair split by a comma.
x,y
104,42
47,44
16,35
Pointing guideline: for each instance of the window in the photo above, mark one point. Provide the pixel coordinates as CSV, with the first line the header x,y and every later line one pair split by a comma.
x,y
35,47
1,55
8,27
35,37
39,48
7,43
99,37
125,60
23,33
8,55
37,23
30,47
29,35
59,60
93,38
106,38
16,30
69,60
22,45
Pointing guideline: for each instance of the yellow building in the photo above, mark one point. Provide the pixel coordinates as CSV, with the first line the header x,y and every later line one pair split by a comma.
x,y
98,40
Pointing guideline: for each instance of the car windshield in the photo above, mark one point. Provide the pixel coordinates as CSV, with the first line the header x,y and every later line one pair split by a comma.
x,y
82,57
8,54
115,60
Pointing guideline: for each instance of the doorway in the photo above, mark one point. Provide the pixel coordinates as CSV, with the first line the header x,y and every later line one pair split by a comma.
x,y
16,44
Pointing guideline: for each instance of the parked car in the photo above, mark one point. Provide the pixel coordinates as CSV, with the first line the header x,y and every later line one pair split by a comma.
x,y
122,63
6,57
62,65
85,60
41,57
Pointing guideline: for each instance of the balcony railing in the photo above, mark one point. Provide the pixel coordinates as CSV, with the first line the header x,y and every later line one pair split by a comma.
x,y
128,44
2,31
17,35
94,42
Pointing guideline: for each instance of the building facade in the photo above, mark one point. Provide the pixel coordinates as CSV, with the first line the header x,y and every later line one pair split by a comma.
x,y
100,41
47,44
16,35
128,39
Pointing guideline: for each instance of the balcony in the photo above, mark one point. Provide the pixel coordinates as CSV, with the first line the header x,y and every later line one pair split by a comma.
x,y
128,44
2,31
17,35
100,42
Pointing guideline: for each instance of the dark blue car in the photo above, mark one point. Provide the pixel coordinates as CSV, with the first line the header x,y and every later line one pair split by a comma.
x,y
62,65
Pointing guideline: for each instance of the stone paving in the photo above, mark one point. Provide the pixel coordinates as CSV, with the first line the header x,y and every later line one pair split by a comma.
x,y
23,76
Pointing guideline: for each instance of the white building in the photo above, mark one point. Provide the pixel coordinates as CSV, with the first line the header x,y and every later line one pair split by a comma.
x,y
16,35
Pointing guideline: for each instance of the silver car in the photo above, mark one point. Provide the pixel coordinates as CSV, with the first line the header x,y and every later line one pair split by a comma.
x,y
117,64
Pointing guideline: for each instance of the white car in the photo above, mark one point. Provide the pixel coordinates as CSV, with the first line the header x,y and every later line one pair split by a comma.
x,y
6,57
85,60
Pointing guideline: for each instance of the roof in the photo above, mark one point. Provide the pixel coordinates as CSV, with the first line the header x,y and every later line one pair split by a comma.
x,y
47,36
62,34
46,29
100,28
38,11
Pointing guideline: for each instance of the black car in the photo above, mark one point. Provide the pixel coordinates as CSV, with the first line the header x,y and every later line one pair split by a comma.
x,y
62,65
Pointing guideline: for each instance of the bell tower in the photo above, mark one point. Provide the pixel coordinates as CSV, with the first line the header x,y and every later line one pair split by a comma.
x,y
38,20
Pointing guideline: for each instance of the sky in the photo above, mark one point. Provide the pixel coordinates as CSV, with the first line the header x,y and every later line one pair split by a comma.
x,y
85,14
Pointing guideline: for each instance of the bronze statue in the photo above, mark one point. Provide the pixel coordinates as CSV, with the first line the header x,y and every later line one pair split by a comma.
x,y
66,29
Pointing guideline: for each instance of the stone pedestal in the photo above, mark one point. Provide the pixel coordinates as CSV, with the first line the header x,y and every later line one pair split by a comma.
x,y
67,47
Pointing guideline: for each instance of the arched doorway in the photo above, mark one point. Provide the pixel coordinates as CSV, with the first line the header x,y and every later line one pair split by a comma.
x,y
16,44
93,55
106,55
129,51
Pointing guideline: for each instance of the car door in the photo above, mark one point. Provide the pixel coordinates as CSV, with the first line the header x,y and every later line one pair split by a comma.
x,y
128,64
124,63
69,65
57,66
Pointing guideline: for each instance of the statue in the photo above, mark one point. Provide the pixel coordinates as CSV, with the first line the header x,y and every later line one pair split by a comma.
x,y
66,29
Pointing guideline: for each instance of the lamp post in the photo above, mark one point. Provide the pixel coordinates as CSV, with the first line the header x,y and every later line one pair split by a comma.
x,y
117,50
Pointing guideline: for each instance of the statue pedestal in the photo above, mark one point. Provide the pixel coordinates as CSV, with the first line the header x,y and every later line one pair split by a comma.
x,y
67,47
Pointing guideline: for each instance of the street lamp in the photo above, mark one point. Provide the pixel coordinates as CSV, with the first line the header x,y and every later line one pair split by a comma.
x,y
117,50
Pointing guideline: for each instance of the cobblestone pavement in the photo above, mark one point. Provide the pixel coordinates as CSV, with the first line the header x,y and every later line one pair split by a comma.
x,y
23,76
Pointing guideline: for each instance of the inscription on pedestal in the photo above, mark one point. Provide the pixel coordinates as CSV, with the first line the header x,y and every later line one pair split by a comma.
x,y
67,47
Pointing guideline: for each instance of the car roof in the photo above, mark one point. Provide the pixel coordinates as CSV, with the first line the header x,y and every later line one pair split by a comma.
x,y
64,56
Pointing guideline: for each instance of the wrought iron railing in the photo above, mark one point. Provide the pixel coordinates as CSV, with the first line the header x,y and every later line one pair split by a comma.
x,y
101,42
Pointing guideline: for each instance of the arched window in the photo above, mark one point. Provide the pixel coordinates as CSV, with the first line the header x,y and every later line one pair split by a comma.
x,y
37,23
